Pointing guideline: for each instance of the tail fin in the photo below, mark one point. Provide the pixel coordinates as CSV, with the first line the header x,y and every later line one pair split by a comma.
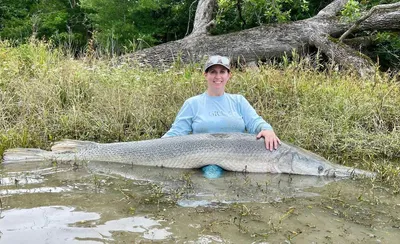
x,y
16,155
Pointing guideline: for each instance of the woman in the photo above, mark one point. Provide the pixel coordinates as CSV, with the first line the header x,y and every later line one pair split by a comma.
x,y
215,111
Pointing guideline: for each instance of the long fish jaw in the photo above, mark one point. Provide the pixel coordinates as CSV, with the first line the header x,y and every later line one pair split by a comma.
x,y
312,164
343,171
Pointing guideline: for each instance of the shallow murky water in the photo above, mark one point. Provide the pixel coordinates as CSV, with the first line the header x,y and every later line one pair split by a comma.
x,y
111,203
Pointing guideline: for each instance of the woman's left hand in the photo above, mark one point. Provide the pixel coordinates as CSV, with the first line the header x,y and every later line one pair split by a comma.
x,y
271,140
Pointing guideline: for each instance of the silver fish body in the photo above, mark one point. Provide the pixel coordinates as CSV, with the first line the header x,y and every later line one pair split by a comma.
x,y
231,151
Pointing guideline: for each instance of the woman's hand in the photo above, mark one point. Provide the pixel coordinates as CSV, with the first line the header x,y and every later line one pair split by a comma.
x,y
271,140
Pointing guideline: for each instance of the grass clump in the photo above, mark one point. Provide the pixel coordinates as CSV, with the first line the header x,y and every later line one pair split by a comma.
x,y
46,96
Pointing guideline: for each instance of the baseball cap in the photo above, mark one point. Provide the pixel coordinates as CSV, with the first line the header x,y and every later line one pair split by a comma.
x,y
216,59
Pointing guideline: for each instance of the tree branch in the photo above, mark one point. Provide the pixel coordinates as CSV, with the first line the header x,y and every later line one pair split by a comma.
x,y
389,21
360,42
239,8
370,12
332,9
343,55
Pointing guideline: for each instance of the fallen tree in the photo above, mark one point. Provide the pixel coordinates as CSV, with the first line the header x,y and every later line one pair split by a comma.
x,y
325,31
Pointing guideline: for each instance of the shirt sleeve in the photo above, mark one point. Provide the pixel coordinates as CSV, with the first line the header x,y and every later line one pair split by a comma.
x,y
183,122
253,122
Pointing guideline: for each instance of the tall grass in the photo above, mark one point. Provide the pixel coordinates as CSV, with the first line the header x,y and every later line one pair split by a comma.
x,y
46,96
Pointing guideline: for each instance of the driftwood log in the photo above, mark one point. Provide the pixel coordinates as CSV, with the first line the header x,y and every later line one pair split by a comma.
x,y
325,31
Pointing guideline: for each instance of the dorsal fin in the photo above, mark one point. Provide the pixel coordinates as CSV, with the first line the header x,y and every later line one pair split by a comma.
x,y
71,146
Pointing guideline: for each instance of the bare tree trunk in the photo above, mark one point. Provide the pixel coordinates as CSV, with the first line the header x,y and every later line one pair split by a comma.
x,y
271,41
203,19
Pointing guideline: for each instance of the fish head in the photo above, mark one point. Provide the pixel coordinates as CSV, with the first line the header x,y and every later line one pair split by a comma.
x,y
309,165
312,164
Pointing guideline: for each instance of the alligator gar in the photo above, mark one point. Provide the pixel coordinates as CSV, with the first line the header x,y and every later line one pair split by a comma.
x,y
231,151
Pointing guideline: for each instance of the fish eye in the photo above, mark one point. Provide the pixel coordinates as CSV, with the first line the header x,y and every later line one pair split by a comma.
x,y
320,168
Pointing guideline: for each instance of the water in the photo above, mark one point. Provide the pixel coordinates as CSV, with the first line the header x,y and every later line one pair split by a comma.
x,y
111,203
61,224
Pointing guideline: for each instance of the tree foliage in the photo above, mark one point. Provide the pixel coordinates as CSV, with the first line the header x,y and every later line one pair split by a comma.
x,y
243,14
116,25
15,22
135,24
59,21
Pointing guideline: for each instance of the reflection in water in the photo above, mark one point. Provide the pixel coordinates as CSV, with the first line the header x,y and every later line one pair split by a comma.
x,y
18,180
8,192
231,187
206,239
60,224
29,173
197,190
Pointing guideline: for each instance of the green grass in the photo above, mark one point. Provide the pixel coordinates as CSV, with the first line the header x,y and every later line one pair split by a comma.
x,y
47,96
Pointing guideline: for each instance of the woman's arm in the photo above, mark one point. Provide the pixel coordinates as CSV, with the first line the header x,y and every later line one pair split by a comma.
x,y
183,122
255,124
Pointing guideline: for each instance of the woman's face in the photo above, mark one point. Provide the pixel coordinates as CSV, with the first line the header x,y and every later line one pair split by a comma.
x,y
217,77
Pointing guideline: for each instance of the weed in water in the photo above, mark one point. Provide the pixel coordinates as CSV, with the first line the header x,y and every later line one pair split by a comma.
x,y
243,213
156,195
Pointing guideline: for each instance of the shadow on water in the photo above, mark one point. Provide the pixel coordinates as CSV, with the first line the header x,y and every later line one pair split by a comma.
x,y
113,203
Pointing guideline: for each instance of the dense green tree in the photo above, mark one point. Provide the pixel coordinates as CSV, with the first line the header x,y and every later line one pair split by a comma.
x,y
115,25
59,21
128,25
15,19
387,50
244,14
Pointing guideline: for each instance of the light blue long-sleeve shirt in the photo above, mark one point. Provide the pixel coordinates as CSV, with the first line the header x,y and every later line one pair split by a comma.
x,y
217,114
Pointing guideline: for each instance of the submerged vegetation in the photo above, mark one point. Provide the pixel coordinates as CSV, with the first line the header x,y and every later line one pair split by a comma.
x,y
47,96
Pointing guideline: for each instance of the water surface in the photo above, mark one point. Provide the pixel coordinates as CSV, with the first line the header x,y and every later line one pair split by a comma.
x,y
112,203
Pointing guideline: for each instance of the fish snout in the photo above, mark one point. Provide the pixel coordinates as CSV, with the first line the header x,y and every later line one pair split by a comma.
x,y
348,172
333,172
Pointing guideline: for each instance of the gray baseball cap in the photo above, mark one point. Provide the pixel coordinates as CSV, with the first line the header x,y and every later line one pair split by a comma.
x,y
217,59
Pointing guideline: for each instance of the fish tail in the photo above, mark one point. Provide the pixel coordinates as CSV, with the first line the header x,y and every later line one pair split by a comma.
x,y
17,155
60,150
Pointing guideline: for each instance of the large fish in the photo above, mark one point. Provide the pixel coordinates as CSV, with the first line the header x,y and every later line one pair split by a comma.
x,y
231,151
